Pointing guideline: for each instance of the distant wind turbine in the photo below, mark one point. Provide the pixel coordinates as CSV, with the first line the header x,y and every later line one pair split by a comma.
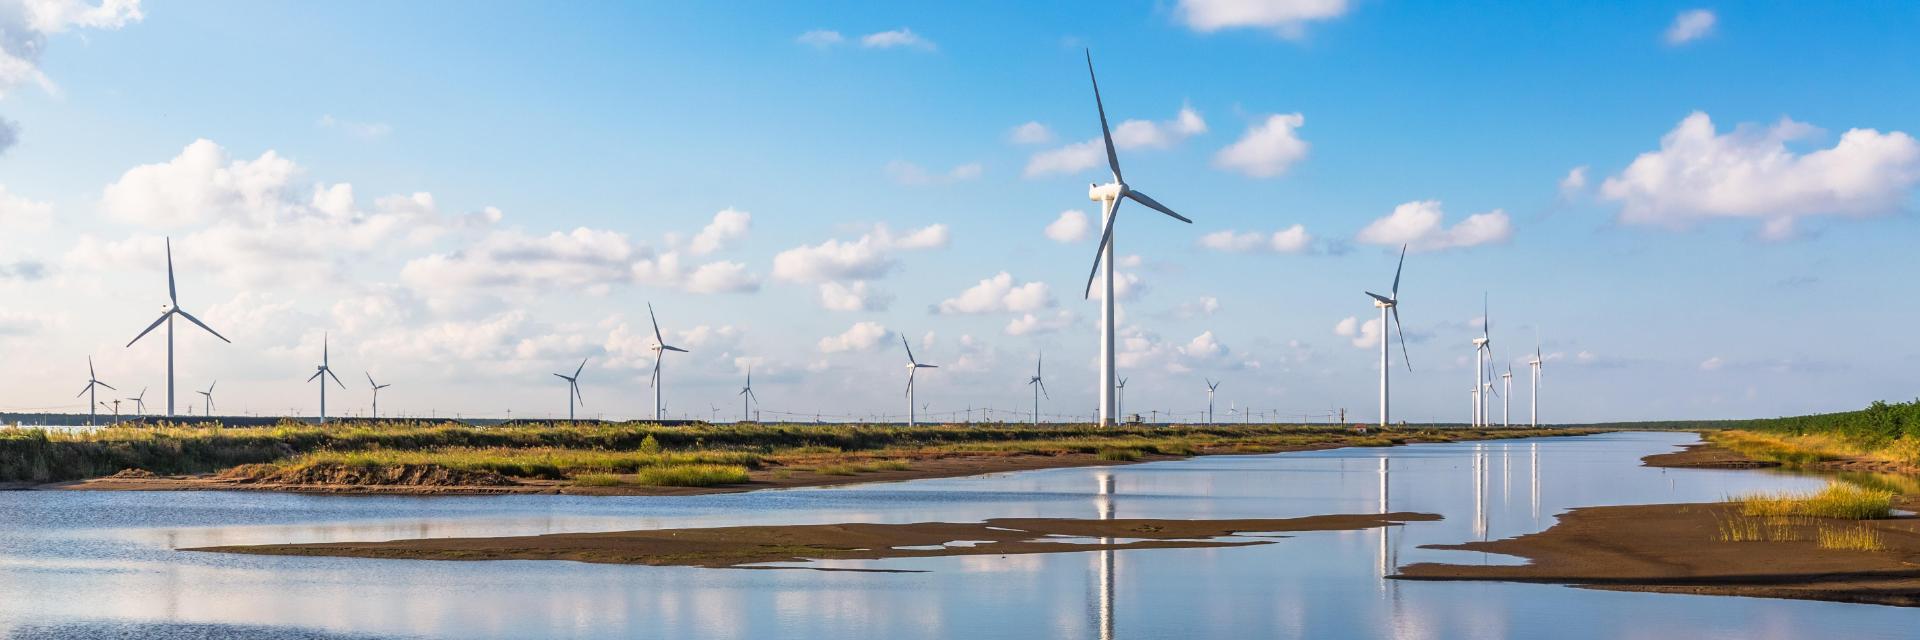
x,y
90,391
1039,387
1211,386
1110,195
140,402
208,397
913,367
376,387
660,347
573,387
1482,357
747,397
1390,303
1535,363
1506,401
1120,399
173,308
321,373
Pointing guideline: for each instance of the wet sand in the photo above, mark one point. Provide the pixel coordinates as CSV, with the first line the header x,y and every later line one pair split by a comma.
x,y
737,547
1677,548
1705,455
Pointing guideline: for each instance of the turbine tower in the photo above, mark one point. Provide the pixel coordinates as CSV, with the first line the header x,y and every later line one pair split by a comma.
x,y
660,347
173,308
1482,357
1109,196
1506,400
93,384
1390,303
1211,385
573,387
747,397
207,396
1039,388
324,370
913,366
376,393
1534,419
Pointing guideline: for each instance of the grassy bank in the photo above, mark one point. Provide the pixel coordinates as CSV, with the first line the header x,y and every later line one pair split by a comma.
x,y
550,451
1888,432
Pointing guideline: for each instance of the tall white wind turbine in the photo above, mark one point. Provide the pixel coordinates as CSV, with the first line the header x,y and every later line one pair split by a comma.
x,y
660,349
376,387
1109,196
1534,418
1039,388
173,309
1390,303
323,372
747,397
573,387
1211,386
913,367
90,391
207,397
1482,358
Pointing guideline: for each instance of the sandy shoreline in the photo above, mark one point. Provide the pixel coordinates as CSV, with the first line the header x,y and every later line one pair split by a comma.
x,y
733,547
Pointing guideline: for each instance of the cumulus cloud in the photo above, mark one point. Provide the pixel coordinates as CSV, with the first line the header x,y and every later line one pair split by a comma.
x,y
858,295
727,227
868,257
1421,226
24,27
17,212
1701,174
911,174
1712,364
590,260
1287,18
1071,226
1690,25
1575,183
862,336
1036,324
1138,349
1365,335
1267,149
901,38
999,294
1131,134
1030,133
1204,306
1294,239
820,38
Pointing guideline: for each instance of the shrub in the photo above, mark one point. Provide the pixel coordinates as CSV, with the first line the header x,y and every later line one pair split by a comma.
x,y
649,445
1119,455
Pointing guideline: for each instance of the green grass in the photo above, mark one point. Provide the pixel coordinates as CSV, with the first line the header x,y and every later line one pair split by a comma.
x,y
1839,500
692,475
1855,538
555,464
1120,455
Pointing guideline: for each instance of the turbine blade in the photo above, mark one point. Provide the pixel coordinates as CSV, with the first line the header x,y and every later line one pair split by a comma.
x,y
211,385
1381,298
673,348
103,384
656,373
1403,338
1106,135
576,394
561,377
1099,252
316,374
1396,271
90,374
85,389
1155,205
173,294
370,381
903,343
656,325
203,325
336,379
926,366
150,328
1043,391
582,367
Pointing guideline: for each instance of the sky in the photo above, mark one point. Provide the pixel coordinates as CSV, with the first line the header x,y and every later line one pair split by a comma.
x,y
1693,210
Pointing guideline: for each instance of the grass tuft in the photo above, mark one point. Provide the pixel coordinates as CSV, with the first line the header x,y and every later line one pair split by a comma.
x,y
1839,500
1119,455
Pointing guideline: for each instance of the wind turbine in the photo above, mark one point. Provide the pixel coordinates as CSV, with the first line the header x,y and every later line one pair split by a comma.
x,y
573,387
1120,400
1506,401
1211,385
116,409
913,367
660,347
1390,303
93,383
173,308
208,396
1039,388
747,397
376,393
1109,196
1535,363
140,402
1482,356
324,370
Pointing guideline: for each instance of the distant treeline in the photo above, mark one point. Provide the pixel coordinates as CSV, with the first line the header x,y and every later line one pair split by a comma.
x,y
1876,426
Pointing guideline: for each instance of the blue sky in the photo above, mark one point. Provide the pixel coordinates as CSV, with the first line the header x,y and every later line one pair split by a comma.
x,y
1736,248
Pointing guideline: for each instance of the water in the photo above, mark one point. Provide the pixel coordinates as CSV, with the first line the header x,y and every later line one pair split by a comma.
x,y
101,564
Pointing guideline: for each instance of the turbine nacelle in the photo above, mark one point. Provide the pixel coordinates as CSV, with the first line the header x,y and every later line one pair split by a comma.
x,y
1105,192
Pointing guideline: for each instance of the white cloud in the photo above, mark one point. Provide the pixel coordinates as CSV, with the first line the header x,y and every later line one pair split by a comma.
x,y
1071,226
728,226
1267,149
24,27
1690,25
1574,183
911,174
1750,172
1712,364
1031,133
820,38
363,130
862,336
901,38
1131,134
870,256
1363,334
1287,18
585,259
858,295
999,294
1421,226
1032,324
1204,306
1294,239
20,213
1126,286
721,277
202,184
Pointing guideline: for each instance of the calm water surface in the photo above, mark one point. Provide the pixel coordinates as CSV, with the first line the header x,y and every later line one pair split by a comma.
x,y
78,564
